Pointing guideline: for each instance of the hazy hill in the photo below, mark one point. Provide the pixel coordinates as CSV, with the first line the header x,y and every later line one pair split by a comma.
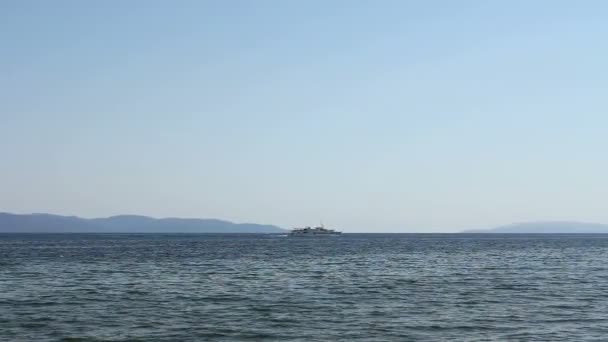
x,y
46,223
546,227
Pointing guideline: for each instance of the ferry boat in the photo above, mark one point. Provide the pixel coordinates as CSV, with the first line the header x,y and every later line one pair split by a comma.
x,y
316,231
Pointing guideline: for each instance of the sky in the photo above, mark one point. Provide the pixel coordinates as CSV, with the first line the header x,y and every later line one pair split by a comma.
x,y
373,116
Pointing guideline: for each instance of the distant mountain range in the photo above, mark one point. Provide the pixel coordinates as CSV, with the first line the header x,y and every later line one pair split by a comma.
x,y
47,223
563,227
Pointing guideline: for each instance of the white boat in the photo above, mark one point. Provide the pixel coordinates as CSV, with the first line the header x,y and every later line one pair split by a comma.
x,y
316,231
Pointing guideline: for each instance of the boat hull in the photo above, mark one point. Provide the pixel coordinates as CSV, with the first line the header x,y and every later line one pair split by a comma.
x,y
313,234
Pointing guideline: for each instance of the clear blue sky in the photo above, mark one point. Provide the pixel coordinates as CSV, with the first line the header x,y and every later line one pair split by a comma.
x,y
371,115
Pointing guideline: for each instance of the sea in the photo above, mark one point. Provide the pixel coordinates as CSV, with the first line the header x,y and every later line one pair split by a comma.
x,y
356,287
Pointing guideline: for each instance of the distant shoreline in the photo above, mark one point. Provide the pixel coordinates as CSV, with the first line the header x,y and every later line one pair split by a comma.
x,y
546,227
130,224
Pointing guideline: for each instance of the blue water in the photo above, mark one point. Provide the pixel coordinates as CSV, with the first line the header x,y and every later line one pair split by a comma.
x,y
401,287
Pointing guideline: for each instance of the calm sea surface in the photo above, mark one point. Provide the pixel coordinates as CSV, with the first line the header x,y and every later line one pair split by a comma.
x,y
367,287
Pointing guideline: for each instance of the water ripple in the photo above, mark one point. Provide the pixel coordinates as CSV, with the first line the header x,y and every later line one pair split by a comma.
x,y
71,287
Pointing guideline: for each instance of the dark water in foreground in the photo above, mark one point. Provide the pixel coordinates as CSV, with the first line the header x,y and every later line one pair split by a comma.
x,y
254,287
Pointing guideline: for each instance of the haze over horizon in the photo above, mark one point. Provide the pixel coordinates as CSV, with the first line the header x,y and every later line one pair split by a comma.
x,y
372,116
